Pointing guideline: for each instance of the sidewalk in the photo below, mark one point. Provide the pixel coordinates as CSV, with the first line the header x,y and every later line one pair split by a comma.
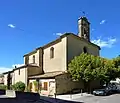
x,y
72,96
68,97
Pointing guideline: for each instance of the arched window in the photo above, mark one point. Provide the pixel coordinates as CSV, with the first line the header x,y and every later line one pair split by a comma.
x,y
33,59
85,50
51,52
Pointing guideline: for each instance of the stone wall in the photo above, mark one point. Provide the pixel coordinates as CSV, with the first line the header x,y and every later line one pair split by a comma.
x,y
34,71
64,84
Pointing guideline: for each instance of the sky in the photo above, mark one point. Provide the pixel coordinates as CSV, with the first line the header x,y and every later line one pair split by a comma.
x,y
28,24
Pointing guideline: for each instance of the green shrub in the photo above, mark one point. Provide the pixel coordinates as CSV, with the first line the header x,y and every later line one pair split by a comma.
x,y
2,86
12,87
19,86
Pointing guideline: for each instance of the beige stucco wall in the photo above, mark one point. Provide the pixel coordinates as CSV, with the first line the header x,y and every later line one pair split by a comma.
x,y
5,79
36,58
13,78
64,84
22,77
75,47
58,63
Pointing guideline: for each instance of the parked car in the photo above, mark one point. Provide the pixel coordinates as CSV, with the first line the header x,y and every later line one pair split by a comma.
x,y
109,89
116,87
104,91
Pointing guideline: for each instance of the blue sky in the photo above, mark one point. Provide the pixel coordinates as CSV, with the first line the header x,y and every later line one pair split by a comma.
x,y
27,24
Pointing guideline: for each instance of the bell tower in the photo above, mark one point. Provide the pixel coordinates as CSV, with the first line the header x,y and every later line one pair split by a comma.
x,y
84,28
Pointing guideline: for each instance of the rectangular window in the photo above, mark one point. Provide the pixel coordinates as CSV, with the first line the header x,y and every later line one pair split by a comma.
x,y
45,86
19,71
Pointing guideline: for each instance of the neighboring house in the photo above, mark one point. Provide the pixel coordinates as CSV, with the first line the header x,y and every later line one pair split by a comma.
x,y
21,74
1,79
48,64
6,77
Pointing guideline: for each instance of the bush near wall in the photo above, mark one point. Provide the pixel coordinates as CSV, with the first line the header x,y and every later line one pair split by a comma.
x,y
19,86
3,87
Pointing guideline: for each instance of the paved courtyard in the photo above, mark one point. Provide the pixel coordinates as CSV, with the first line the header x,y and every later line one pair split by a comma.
x,y
87,98
76,98
99,99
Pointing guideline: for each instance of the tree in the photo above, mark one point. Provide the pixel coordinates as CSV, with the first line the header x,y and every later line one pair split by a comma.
x,y
81,67
116,61
88,68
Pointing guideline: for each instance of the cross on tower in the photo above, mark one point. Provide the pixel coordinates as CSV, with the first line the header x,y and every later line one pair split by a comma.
x,y
83,13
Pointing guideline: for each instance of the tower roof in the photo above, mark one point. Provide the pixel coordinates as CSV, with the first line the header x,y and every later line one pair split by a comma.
x,y
84,18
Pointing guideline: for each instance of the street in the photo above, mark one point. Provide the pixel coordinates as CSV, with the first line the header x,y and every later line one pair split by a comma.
x,y
74,98
115,98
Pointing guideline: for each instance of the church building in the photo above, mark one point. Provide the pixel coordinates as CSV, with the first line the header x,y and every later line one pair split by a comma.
x,y
48,64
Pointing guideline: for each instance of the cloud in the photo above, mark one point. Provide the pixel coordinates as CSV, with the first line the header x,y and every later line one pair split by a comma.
x,y
11,26
59,34
103,21
5,69
105,43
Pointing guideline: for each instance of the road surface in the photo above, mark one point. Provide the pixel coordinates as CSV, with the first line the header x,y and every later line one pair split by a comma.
x,y
115,98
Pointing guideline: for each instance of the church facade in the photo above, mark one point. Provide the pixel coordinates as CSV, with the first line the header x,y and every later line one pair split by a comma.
x,y
48,64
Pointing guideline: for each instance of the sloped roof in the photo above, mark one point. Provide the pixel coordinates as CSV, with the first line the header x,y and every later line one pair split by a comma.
x,y
47,75
21,67
57,40
26,65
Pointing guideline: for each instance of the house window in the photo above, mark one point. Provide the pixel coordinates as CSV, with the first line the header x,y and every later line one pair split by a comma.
x,y
85,50
45,86
51,52
19,71
33,59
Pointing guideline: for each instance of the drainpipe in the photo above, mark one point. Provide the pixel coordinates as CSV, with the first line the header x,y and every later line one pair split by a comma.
x,y
14,75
